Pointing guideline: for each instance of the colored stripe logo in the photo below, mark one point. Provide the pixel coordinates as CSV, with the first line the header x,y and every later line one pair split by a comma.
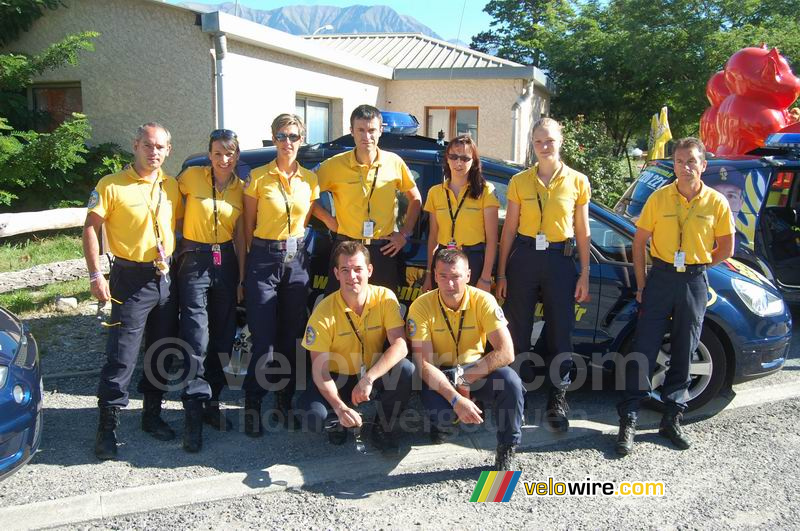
x,y
495,486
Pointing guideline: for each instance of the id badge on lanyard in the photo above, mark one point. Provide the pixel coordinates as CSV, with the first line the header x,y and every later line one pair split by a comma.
x,y
291,249
680,261
216,254
369,229
541,242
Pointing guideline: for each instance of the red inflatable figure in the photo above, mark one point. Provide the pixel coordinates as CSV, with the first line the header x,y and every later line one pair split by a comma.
x,y
716,92
761,88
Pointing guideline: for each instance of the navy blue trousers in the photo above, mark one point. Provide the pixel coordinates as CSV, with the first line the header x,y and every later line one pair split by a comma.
x,y
276,293
530,272
148,310
671,302
207,296
501,390
392,392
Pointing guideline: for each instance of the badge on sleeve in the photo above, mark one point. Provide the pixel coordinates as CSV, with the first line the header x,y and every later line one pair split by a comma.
x,y
311,335
412,328
498,312
94,198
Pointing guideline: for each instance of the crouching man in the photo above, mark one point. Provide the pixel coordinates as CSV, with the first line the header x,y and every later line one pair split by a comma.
x,y
448,328
345,335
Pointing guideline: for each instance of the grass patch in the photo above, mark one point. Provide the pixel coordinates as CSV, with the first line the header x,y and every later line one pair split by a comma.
x,y
24,251
28,300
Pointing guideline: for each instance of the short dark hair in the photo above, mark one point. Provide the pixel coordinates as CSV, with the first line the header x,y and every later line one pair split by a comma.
x,y
690,142
365,112
348,248
450,257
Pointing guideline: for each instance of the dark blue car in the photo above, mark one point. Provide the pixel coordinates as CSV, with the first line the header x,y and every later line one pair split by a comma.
x,y
747,327
20,395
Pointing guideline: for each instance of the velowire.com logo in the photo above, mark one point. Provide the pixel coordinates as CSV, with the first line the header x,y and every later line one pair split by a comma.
x,y
495,486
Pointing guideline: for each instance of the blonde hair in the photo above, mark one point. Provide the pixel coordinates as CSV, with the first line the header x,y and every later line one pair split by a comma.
x,y
285,119
546,123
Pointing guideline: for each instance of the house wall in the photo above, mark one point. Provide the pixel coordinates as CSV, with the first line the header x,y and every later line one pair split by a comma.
x,y
493,97
150,63
262,83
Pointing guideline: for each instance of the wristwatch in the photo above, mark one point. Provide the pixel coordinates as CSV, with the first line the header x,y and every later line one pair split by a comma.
x,y
462,382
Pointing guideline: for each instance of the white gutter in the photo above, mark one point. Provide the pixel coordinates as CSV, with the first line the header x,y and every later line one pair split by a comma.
x,y
264,37
516,114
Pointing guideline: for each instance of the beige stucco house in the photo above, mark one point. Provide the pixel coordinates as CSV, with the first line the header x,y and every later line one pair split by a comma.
x,y
195,72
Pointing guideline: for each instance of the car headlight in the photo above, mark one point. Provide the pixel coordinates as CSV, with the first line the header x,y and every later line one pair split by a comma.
x,y
758,300
3,375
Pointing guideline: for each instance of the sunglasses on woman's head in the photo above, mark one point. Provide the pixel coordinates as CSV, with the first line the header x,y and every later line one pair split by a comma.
x,y
462,158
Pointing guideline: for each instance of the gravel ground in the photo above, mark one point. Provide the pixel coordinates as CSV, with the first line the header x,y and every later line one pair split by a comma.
x,y
65,465
740,473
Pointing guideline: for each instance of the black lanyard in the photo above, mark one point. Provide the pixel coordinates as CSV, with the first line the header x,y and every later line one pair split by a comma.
x,y
358,336
456,339
154,215
681,224
214,201
288,212
372,190
450,208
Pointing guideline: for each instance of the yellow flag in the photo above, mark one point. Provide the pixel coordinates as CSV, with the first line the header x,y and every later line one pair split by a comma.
x,y
660,134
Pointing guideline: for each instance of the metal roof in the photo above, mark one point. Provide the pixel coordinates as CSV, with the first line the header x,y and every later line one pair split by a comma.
x,y
410,51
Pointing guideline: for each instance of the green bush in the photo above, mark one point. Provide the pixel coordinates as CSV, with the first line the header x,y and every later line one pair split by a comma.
x,y
589,148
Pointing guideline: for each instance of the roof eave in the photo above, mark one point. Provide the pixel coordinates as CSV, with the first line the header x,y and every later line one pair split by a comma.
x,y
530,73
264,37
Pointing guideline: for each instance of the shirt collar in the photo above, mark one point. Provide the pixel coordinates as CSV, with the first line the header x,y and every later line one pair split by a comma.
x,y
272,169
353,161
559,174
673,191
465,302
136,177
372,300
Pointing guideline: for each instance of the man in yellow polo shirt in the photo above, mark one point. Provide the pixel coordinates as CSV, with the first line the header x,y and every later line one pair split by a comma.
x,y
139,207
345,335
690,228
364,183
448,328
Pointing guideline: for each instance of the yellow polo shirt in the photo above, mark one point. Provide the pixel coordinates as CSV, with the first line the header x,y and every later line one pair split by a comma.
x,y
566,190
470,229
328,329
301,190
482,316
706,217
351,182
198,219
127,203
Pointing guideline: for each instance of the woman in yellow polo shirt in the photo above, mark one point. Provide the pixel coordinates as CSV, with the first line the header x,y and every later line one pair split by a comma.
x,y
277,206
463,213
547,219
210,263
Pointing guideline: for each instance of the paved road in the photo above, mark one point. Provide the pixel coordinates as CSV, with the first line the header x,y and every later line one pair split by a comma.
x,y
740,472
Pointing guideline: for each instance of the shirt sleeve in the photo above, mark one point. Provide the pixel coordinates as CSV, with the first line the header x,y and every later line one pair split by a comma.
x,y
407,182
429,204
100,199
584,190
647,218
314,180
513,192
323,176
318,337
392,318
724,224
492,317
180,204
418,325
489,197
251,189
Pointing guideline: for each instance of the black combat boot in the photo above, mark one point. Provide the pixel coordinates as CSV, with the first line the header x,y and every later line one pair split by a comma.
x,y
282,413
252,416
384,440
557,408
504,459
213,415
627,430
671,429
151,418
193,426
105,444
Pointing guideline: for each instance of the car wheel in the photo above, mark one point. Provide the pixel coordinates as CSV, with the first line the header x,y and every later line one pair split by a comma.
x,y
707,370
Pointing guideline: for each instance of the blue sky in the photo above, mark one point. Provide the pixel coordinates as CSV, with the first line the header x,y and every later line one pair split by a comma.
x,y
442,16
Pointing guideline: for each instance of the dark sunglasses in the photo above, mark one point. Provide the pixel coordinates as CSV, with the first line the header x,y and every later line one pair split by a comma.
x,y
462,158
219,134
282,137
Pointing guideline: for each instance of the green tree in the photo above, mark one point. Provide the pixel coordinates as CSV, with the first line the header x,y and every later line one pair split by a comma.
x,y
619,61
30,160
